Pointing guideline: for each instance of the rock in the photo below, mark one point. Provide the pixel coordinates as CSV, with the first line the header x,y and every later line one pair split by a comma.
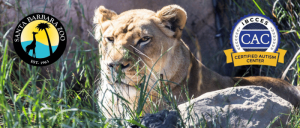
x,y
248,106
162,119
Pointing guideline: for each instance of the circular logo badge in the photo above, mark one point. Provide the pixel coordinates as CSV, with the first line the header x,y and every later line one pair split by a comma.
x,y
255,32
39,39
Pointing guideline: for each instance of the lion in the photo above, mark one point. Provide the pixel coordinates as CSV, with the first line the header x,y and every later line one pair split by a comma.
x,y
152,40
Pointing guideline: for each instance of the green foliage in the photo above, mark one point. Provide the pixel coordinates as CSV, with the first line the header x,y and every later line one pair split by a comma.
x,y
298,70
262,12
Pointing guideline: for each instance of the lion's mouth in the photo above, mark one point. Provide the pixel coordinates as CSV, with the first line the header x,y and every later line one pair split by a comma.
x,y
124,82
124,67
129,78
118,67
120,82
127,82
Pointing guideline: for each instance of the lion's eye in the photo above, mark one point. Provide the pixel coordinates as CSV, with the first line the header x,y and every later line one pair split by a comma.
x,y
110,39
144,40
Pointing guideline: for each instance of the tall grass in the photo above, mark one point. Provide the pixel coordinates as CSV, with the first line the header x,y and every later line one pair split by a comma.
x,y
29,98
53,103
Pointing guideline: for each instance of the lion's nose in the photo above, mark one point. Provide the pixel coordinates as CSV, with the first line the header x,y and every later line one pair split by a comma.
x,y
118,66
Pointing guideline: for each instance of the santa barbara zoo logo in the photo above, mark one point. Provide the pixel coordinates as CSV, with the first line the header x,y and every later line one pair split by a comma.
x,y
39,39
255,39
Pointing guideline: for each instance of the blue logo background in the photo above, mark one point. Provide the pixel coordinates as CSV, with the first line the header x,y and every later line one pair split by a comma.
x,y
41,50
254,28
256,45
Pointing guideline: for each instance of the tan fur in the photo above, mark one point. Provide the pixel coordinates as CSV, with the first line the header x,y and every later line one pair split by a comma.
x,y
177,65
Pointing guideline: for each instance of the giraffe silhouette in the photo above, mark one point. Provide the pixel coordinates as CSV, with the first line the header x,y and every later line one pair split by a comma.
x,y
32,46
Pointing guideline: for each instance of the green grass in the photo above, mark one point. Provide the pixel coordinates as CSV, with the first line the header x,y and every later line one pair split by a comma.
x,y
29,98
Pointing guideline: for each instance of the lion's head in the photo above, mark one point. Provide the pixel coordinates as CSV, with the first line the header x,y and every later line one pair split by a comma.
x,y
136,40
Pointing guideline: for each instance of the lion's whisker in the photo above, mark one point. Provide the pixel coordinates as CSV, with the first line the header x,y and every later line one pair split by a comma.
x,y
134,64
138,51
138,71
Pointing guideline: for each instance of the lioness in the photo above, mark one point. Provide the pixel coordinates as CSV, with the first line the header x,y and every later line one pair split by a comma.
x,y
153,40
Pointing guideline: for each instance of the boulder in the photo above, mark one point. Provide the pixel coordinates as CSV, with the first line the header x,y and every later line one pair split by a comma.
x,y
247,106
162,119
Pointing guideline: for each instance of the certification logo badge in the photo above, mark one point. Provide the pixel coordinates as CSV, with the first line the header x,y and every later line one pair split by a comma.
x,y
39,39
255,39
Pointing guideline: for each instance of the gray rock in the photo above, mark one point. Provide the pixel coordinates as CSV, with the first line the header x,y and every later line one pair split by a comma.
x,y
162,119
248,106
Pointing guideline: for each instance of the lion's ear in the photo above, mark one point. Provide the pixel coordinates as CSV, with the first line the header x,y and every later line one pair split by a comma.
x,y
173,17
102,14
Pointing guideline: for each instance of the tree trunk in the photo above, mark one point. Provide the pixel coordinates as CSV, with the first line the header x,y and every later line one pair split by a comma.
x,y
49,42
